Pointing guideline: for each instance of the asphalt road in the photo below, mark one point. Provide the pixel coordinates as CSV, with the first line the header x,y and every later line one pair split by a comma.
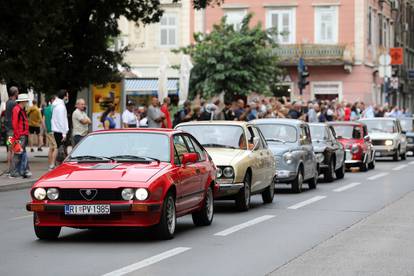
x,y
254,243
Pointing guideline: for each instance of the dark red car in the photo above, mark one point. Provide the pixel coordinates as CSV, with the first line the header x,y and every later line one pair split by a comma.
x,y
359,151
127,178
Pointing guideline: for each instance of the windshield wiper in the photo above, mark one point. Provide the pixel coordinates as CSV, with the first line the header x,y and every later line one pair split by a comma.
x,y
275,140
217,146
135,157
90,157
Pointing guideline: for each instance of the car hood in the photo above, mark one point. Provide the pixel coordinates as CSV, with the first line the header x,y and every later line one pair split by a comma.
x,y
104,172
224,157
350,141
383,136
280,148
410,134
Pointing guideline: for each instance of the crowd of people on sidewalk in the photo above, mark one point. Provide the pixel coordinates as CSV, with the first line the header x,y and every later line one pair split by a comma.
x,y
49,125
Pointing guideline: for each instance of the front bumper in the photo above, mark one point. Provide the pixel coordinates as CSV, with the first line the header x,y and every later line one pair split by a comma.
x,y
283,176
384,151
121,214
228,189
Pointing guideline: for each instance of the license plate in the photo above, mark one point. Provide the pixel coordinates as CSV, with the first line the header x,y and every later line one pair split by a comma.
x,y
377,153
90,209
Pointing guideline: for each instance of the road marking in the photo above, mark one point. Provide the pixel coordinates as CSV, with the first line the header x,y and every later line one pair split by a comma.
x,y
377,176
147,262
22,217
346,187
399,167
306,202
246,224
411,163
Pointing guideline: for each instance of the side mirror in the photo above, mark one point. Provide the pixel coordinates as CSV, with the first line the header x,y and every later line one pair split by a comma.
x,y
367,138
189,158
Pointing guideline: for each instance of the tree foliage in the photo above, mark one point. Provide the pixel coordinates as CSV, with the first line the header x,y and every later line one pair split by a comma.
x,y
54,44
236,62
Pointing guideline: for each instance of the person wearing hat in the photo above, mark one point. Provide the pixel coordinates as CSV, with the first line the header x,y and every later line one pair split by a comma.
x,y
20,135
129,119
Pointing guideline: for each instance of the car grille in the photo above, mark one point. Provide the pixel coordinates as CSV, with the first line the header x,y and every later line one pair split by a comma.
x,y
102,194
410,140
378,142
278,160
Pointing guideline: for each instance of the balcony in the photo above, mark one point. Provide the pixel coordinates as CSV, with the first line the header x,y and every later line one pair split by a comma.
x,y
314,54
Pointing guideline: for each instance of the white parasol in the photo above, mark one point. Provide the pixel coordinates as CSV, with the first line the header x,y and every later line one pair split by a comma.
x,y
185,71
163,78
3,96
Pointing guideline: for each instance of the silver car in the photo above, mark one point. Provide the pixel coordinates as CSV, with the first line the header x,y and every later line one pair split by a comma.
x,y
291,144
388,137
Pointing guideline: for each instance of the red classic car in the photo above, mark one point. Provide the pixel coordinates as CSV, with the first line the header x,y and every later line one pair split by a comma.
x,y
126,178
354,137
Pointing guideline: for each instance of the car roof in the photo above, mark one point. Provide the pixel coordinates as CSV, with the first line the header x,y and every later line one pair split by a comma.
x,y
353,123
140,130
279,121
214,122
379,119
318,124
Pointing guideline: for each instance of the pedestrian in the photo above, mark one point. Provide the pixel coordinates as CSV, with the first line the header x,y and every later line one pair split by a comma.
x,y
238,112
155,116
296,111
129,119
183,115
35,122
228,111
166,123
10,104
312,115
80,122
60,124
47,125
143,120
107,118
20,135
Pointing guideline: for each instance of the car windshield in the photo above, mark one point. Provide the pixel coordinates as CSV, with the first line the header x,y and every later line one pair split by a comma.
x,y
407,124
279,133
318,133
348,132
124,145
381,126
218,136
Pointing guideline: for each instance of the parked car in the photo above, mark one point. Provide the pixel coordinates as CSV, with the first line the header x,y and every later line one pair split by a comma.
x,y
388,137
407,125
126,178
354,137
292,147
330,153
245,163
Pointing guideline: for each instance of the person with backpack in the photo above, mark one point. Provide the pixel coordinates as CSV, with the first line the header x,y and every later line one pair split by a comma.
x,y
20,138
183,115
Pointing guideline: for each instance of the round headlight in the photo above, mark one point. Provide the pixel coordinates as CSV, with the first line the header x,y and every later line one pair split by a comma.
x,y
320,157
388,142
52,193
219,172
40,193
228,172
127,194
288,157
141,194
355,148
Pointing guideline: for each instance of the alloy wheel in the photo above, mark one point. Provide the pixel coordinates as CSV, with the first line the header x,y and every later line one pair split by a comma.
x,y
209,204
171,215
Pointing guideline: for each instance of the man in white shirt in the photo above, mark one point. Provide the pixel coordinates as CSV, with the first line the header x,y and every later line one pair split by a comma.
x,y
80,122
60,125
129,119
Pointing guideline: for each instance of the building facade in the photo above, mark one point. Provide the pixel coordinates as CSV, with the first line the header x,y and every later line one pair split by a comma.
x,y
340,41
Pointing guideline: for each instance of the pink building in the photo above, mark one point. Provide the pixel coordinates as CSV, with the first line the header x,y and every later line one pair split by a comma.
x,y
340,41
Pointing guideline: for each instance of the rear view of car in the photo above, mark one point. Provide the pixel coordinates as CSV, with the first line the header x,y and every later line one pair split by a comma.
x,y
407,125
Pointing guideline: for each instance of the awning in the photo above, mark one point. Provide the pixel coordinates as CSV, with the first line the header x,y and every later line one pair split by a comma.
x,y
149,86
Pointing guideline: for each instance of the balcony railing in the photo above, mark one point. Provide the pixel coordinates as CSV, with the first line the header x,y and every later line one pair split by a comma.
x,y
314,54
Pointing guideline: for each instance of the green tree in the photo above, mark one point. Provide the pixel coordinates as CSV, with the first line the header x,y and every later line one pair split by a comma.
x,y
236,62
55,44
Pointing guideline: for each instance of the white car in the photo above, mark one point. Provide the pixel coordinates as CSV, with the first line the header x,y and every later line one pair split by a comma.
x,y
388,137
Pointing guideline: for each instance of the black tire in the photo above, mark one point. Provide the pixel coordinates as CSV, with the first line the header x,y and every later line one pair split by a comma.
x,y
363,167
244,195
298,182
371,165
404,156
205,216
269,193
329,175
396,156
45,233
313,182
340,173
165,229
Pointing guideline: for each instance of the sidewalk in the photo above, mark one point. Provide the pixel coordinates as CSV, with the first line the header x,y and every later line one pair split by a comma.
x,y
382,244
38,166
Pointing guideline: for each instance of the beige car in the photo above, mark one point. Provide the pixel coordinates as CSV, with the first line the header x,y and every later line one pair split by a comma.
x,y
245,164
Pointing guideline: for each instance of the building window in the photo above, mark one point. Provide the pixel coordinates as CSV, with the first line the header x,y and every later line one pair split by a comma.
x,y
370,26
326,25
169,31
283,22
235,17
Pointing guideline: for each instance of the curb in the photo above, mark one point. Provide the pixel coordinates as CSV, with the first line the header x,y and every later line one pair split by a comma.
x,y
17,186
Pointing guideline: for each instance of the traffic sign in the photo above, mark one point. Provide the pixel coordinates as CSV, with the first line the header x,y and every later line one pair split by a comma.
x,y
397,56
410,74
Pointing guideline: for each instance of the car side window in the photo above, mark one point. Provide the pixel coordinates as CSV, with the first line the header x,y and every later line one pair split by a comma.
x,y
198,149
194,147
180,148
305,138
264,143
256,134
332,134
250,135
